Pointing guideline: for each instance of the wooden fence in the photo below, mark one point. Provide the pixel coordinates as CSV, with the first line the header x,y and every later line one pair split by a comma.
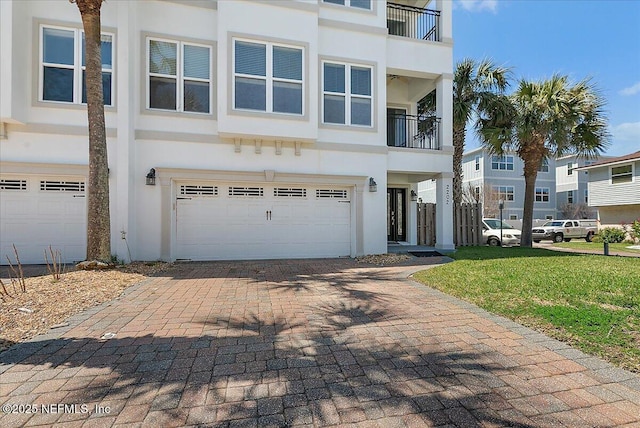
x,y
427,224
467,221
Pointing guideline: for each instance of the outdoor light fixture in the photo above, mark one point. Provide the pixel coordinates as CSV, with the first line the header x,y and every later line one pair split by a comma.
x,y
414,195
151,177
373,186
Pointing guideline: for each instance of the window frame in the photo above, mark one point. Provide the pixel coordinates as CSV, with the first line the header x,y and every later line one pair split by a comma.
x,y
179,77
77,67
630,174
544,165
541,193
477,163
347,3
586,196
269,78
348,96
570,168
509,191
570,197
506,160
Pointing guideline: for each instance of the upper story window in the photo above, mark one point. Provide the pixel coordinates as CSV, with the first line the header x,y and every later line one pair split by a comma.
x,y
570,197
586,196
477,160
347,94
570,167
62,65
622,174
544,165
179,76
359,4
268,77
506,193
542,194
502,162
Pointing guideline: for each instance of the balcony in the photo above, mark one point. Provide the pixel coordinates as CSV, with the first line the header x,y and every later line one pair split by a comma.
x,y
414,132
413,22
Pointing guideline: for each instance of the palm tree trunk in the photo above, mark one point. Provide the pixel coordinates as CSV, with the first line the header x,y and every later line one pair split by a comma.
x,y
459,135
98,217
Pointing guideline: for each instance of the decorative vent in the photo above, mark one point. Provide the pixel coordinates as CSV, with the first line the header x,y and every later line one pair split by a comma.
x,y
62,186
289,192
246,191
194,190
331,193
13,184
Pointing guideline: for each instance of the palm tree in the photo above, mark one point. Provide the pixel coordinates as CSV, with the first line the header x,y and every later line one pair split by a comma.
x,y
543,119
98,217
475,85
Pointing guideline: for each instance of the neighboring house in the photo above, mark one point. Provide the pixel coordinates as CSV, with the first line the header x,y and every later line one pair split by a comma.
x,y
489,178
571,186
268,129
614,189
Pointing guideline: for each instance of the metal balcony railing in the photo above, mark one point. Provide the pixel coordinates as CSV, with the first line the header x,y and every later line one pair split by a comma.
x,y
414,22
415,132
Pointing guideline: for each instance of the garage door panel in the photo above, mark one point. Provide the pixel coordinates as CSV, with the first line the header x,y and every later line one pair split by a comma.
x,y
261,222
35,218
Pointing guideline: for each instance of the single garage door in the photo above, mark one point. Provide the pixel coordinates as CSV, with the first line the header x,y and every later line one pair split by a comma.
x,y
38,212
229,221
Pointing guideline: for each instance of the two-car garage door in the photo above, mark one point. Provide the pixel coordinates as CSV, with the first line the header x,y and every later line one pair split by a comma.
x,y
38,212
218,221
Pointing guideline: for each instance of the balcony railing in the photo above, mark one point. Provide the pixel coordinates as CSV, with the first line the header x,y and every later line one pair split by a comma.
x,y
414,22
415,132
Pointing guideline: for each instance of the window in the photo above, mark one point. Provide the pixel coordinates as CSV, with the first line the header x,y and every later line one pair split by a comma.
x,y
621,174
502,162
477,163
548,217
476,193
179,76
570,167
586,196
513,216
267,77
544,166
542,194
570,197
506,193
62,61
347,94
360,4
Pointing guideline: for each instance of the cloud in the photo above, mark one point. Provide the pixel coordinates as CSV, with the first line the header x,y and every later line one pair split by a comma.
x,y
629,131
479,5
631,90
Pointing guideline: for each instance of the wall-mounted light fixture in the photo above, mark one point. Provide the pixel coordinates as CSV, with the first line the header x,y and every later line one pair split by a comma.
x,y
414,195
151,177
373,186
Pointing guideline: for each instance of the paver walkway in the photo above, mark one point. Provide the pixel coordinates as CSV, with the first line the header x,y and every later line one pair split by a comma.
x,y
305,343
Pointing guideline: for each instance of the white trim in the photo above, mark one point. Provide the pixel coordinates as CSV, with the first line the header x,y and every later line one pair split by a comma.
x,y
632,173
347,95
179,76
542,194
268,78
77,66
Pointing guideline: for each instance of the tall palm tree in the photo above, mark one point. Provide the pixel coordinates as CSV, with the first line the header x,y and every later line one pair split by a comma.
x,y
475,85
98,217
543,119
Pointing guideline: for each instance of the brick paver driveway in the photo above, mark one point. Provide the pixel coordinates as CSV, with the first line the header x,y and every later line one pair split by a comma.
x,y
313,342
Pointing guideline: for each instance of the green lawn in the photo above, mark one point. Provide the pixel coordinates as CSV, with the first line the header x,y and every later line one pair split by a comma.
x,y
598,246
590,301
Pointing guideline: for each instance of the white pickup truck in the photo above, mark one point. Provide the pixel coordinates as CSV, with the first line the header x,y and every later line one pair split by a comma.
x,y
565,230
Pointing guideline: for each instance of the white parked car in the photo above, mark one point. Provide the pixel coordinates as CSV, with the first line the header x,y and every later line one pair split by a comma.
x,y
491,233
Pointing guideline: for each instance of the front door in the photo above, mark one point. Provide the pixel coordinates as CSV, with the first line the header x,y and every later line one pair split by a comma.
x,y
396,214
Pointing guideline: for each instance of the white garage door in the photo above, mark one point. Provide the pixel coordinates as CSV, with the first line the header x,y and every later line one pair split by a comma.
x,y
228,221
36,213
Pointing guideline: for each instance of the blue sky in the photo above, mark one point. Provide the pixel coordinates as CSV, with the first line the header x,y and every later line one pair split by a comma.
x,y
579,38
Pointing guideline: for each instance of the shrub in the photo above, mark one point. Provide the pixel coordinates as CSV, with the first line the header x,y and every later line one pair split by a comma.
x,y
635,230
611,235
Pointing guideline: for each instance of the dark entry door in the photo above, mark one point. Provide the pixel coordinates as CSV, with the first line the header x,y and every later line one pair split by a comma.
x,y
396,127
396,214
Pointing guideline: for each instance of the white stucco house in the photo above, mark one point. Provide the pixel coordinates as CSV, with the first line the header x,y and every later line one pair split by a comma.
x,y
614,189
272,129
